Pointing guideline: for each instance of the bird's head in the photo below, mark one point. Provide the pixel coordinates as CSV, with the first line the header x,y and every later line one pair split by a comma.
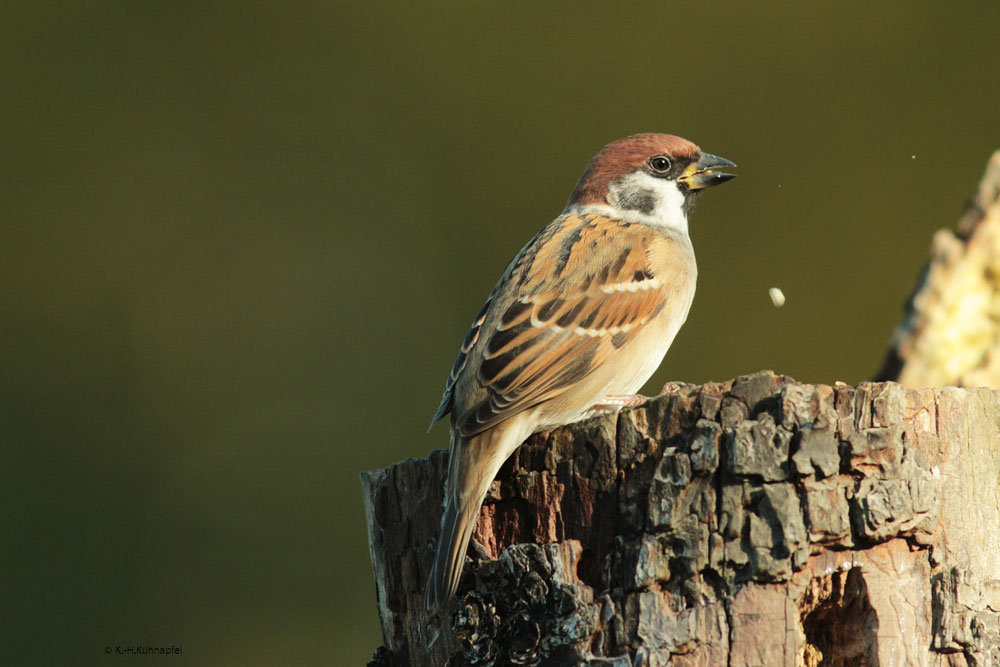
x,y
650,178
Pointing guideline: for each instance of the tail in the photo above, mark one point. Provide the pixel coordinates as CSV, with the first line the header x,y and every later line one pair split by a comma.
x,y
456,531
472,465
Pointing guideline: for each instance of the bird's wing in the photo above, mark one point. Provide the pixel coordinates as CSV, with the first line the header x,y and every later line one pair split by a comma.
x,y
463,354
579,291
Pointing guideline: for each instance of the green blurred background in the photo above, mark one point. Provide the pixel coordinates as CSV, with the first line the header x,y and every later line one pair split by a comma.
x,y
241,243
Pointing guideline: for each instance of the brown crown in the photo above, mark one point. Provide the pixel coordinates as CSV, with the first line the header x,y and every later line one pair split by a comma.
x,y
622,157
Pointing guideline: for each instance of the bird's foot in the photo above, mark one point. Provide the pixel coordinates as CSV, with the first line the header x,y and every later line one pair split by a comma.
x,y
623,401
614,404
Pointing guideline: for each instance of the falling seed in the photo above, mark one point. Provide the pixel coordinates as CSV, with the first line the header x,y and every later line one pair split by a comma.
x,y
913,157
777,297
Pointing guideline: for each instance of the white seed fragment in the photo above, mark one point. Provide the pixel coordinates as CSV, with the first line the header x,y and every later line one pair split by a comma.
x,y
777,297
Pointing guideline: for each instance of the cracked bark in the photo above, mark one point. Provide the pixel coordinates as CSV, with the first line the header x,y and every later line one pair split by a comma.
x,y
753,522
758,521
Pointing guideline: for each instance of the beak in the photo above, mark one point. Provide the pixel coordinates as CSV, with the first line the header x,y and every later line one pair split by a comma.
x,y
700,174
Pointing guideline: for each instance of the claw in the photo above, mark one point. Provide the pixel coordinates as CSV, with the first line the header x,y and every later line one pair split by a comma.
x,y
614,404
623,401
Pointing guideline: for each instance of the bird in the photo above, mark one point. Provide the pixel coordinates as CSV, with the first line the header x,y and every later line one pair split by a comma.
x,y
579,320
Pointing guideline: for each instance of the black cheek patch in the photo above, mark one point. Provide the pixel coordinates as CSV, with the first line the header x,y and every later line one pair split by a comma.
x,y
643,201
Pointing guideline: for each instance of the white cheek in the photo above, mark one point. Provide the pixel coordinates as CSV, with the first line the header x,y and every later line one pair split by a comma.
x,y
666,212
671,205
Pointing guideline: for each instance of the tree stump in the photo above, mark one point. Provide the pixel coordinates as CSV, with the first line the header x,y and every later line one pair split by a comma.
x,y
758,521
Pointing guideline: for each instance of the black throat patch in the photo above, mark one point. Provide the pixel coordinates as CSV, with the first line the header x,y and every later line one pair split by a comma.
x,y
690,197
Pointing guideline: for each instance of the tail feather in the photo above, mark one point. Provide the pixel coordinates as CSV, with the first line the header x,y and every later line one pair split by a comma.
x,y
456,531
472,465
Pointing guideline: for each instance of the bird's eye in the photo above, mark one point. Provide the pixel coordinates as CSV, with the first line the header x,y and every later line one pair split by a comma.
x,y
659,163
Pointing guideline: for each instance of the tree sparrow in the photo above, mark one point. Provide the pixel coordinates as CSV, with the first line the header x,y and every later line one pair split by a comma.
x,y
578,322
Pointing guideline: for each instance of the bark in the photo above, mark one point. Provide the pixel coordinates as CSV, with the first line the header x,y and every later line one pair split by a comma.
x,y
754,522
758,521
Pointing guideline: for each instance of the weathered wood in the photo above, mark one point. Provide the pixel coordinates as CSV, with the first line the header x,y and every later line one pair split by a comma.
x,y
754,522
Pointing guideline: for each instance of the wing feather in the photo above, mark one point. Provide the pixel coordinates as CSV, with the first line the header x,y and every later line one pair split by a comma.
x,y
582,289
